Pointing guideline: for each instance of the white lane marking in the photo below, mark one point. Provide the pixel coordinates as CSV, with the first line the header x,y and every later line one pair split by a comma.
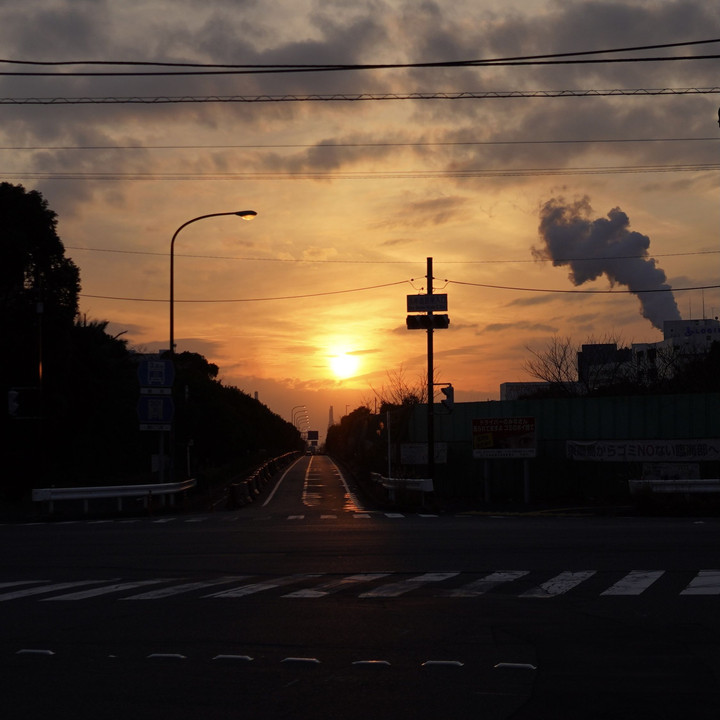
x,y
394,515
328,517
362,516
107,590
310,498
403,586
356,504
277,484
335,585
296,517
634,582
42,589
706,582
559,584
253,588
483,585
185,588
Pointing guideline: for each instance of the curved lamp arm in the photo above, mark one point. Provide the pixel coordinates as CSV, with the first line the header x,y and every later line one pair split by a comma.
x,y
244,214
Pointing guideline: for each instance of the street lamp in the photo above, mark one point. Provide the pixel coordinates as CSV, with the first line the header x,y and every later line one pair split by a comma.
x,y
301,412
244,214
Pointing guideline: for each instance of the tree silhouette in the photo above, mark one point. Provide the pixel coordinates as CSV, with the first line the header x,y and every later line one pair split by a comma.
x,y
39,286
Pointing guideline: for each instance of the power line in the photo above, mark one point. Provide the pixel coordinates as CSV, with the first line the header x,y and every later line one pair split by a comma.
x,y
146,63
569,58
380,262
363,175
357,97
405,282
585,292
254,299
331,146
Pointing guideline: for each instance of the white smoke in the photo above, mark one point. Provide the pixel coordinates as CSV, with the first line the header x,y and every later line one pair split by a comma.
x,y
605,246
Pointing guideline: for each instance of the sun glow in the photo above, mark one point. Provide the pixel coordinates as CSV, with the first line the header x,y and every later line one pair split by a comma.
x,y
344,365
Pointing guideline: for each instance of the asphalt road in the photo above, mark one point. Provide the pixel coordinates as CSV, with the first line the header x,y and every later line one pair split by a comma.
x,y
309,605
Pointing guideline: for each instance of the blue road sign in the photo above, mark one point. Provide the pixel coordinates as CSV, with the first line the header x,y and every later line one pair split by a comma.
x,y
155,410
158,373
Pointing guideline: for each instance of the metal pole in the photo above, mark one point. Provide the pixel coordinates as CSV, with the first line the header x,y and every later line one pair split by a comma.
x,y
430,385
389,446
245,215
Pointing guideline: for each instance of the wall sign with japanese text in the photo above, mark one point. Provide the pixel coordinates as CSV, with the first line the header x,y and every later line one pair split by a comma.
x,y
644,450
506,437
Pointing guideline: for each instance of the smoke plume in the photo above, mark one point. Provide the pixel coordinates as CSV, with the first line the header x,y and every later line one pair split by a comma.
x,y
605,246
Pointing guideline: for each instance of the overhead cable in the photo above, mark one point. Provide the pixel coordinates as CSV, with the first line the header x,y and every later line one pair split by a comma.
x,y
579,57
357,97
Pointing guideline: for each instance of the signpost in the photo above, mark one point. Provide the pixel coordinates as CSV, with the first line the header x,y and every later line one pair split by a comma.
x,y
155,406
428,304
505,438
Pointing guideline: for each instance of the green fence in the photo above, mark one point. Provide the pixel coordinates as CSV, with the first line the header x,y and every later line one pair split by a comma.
x,y
557,420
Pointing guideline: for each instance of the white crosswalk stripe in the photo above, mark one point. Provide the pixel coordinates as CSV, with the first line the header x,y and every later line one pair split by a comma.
x,y
558,585
45,589
483,585
707,582
107,590
185,588
404,586
253,588
336,585
634,582
379,584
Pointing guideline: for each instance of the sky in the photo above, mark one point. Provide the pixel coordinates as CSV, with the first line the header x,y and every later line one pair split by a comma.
x,y
509,190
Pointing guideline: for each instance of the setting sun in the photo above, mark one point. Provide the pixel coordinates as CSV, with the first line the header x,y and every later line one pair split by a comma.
x,y
344,365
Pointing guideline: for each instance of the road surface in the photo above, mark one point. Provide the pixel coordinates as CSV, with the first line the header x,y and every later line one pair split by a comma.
x,y
309,604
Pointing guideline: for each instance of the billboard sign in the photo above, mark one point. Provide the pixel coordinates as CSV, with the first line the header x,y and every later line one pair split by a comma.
x,y
509,437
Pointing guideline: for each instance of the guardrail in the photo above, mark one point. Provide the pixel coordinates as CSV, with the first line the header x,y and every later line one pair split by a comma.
x,y
674,486
243,492
422,485
117,492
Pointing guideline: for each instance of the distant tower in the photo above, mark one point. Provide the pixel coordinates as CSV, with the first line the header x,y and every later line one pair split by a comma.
x,y
331,419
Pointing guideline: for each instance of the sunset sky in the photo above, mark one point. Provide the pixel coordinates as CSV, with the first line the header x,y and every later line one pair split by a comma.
x,y
306,304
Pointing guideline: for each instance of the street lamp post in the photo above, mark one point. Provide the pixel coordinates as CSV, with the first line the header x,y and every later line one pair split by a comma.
x,y
244,214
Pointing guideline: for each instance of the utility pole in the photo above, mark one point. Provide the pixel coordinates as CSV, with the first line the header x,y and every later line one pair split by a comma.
x,y
430,378
426,305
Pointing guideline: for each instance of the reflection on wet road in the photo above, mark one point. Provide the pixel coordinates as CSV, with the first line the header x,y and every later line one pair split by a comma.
x,y
326,487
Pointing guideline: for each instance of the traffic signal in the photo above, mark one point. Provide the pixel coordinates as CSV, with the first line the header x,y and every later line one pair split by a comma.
x,y
449,392
425,322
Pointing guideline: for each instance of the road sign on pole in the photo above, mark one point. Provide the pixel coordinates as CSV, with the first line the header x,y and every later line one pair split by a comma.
x,y
427,303
155,375
155,412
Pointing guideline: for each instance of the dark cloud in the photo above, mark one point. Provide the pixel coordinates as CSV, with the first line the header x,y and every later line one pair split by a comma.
x,y
522,325
350,32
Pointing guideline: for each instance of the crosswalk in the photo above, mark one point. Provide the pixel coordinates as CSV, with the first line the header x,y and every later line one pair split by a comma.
x,y
383,584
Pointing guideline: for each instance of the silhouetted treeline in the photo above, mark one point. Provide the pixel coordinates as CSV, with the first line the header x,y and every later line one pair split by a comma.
x,y
72,389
